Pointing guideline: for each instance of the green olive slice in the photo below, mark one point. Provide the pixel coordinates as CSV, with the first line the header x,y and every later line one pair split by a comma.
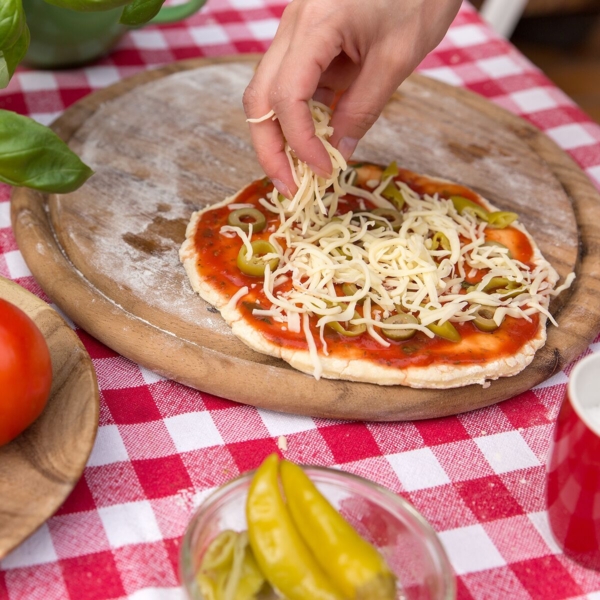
x,y
446,331
440,240
501,219
399,319
243,217
392,216
256,266
352,331
495,244
462,205
484,319
390,171
393,194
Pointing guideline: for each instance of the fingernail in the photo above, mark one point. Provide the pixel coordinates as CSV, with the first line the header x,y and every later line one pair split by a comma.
x,y
282,188
320,172
347,146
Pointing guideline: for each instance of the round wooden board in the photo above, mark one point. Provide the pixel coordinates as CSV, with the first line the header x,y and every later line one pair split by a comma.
x,y
167,142
40,467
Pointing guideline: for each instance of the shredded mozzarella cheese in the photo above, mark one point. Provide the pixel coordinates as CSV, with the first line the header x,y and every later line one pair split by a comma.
x,y
390,269
236,298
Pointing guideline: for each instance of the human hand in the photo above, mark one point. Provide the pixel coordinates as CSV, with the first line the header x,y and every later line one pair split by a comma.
x,y
355,50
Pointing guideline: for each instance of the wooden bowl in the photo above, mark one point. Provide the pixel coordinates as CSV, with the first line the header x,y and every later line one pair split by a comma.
x,y
40,467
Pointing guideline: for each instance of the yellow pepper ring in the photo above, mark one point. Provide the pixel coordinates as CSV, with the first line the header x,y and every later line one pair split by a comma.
x,y
252,216
392,216
446,331
440,239
352,331
512,290
495,244
501,219
484,319
462,205
493,284
256,266
399,319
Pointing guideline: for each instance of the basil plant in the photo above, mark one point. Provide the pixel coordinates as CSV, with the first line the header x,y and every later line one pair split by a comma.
x,y
32,155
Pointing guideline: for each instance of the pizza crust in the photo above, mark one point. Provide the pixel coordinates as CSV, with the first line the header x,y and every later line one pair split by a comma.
x,y
438,376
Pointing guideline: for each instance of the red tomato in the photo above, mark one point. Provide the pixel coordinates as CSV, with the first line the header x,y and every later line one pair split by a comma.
x,y
25,371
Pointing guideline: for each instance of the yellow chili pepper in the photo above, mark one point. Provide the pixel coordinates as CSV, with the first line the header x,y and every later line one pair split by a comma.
x,y
353,564
228,570
280,552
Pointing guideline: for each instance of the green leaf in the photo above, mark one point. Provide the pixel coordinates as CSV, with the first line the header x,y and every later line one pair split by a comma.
x,y
11,57
140,12
88,5
33,156
12,22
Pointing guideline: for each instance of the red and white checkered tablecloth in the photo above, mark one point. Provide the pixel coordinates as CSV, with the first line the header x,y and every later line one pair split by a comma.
x,y
161,447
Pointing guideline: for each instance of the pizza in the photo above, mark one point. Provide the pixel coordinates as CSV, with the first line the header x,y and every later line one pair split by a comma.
x,y
377,274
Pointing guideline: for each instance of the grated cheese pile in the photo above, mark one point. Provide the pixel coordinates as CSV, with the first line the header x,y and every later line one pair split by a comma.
x,y
390,269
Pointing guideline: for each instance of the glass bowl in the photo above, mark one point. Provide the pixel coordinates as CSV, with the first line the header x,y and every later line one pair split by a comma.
x,y
406,540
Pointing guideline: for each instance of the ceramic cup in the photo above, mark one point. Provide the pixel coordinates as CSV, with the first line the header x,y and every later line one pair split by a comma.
x,y
65,38
573,482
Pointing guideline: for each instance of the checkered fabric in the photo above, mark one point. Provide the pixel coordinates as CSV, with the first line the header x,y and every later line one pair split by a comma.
x,y
161,447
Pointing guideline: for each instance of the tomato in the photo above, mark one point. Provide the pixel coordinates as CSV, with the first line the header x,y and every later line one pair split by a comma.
x,y
25,371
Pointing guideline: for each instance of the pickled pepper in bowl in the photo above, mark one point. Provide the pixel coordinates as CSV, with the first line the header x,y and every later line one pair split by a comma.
x,y
297,547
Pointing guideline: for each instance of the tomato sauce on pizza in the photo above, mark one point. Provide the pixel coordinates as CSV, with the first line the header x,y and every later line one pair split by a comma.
x,y
217,262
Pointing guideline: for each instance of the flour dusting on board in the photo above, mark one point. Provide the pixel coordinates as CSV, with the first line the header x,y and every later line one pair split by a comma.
x,y
156,161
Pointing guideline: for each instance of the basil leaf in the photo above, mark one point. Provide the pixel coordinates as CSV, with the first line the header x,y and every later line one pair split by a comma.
x,y
88,5
12,22
140,12
11,57
33,156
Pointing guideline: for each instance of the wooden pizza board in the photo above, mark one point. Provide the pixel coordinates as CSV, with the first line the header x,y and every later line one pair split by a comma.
x,y
167,142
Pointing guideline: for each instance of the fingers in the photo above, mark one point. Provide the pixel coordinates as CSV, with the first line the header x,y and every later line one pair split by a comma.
x,y
361,105
267,137
290,75
296,83
324,48
268,142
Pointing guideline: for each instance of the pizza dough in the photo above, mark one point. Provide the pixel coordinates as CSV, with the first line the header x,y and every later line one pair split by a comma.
x,y
480,356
